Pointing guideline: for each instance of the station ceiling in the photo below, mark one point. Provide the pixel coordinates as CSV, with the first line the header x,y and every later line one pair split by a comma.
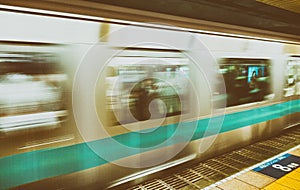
x,y
290,5
272,15
264,18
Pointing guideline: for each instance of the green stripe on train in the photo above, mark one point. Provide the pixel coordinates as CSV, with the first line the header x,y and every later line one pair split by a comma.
x,y
32,166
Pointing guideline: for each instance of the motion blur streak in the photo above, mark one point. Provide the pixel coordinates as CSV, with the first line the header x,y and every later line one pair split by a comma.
x,y
142,96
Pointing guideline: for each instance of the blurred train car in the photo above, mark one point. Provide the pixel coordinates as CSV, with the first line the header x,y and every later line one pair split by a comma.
x,y
78,110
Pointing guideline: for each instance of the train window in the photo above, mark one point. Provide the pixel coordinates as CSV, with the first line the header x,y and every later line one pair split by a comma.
x,y
246,80
144,85
292,82
31,86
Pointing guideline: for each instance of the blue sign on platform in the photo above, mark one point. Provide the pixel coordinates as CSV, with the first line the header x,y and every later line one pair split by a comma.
x,y
279,166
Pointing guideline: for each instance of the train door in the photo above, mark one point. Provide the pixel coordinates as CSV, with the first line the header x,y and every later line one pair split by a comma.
x,y
291,90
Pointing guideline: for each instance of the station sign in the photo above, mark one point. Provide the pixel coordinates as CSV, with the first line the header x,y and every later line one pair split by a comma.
x,y
280,166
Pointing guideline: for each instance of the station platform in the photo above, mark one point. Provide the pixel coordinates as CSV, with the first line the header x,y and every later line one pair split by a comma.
x,y
282,172
271,164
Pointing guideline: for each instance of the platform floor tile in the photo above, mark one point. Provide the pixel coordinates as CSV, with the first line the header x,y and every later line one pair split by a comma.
x,y
215,188
256,179
236,185
296,152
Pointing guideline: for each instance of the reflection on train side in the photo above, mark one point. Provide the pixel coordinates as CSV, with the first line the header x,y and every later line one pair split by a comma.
x,y
292,84
31,85
246,80
154,86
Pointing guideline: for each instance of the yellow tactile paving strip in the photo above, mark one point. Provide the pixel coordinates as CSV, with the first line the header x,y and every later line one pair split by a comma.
x,y
294,175
255,180
276,186
289,182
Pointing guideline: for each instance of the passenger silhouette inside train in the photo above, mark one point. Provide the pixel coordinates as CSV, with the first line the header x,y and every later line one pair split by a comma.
x,y
253,82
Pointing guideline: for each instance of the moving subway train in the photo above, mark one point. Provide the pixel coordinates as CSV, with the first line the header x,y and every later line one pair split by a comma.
x,y
86,103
